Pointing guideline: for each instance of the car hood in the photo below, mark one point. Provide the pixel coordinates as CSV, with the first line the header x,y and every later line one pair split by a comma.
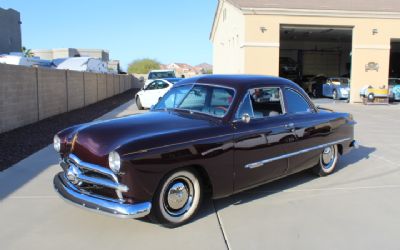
x,y
96,140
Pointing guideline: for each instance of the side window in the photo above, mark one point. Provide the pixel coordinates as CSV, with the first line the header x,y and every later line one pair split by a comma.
x,y
245,108
161,85
196,99
295,103
221,100
266,102
152,86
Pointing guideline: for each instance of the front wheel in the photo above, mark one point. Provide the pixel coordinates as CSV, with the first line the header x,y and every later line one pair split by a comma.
x,y
177,199
327,161
139,103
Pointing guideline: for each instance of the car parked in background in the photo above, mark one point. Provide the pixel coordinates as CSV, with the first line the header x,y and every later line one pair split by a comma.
x,y
336,88
287,66
216,134
152,93
394,89
159,74
315,85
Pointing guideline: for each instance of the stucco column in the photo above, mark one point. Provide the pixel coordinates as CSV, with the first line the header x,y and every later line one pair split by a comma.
x,y
261,46
370,61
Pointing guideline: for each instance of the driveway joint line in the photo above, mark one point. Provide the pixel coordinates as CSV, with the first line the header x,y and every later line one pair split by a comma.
x,y
221,227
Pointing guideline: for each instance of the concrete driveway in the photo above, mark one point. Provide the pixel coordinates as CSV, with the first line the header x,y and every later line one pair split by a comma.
x,y
356,208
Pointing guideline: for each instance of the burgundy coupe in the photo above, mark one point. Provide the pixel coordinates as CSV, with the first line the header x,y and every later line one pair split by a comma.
x,y
220,134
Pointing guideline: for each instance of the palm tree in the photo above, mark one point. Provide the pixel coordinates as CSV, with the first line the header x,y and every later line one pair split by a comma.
x,y
27,52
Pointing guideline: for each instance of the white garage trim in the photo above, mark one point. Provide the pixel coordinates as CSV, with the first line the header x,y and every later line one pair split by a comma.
x,y
258,45
372,46
321,13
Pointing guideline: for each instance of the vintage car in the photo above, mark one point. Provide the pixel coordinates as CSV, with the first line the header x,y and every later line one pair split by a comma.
x,y
314,85
216,134
336,88
287,66
370,93
394,89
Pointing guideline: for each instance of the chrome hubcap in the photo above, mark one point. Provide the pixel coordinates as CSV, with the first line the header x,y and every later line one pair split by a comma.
x,y
177,196
328,157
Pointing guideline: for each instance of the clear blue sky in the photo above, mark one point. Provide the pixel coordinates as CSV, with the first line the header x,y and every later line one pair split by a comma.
x,y
166,30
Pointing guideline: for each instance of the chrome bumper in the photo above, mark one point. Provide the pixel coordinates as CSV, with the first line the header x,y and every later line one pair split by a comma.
x,y
99,204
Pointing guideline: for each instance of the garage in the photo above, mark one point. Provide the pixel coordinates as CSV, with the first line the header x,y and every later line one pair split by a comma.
x,y
310,54
394,67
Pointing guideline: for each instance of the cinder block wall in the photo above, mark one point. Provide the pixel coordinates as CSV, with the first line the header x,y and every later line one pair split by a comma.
x,y
18,97
76,93
28,95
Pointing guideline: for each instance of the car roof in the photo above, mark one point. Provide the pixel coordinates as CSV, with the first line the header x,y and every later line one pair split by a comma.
x,y
239,82
172,79
161,70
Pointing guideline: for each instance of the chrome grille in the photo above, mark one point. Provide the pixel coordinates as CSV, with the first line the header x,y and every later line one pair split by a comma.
x,y
88,176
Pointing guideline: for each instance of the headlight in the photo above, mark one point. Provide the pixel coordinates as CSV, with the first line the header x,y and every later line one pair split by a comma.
x,y
114,161
57,143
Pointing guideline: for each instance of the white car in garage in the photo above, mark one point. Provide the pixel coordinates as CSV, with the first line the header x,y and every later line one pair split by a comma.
x,y
152,93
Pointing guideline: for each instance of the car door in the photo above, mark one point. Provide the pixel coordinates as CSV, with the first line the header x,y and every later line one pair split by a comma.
x,y
149,96
327,89
309,131
163,88
260,142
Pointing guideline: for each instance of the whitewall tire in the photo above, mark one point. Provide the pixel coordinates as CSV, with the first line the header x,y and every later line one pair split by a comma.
x,y
177,199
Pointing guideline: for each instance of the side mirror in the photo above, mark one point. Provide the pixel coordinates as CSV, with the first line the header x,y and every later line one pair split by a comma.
x,y
246,118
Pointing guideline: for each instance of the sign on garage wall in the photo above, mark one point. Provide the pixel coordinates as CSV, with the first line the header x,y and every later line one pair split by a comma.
x,y
321,62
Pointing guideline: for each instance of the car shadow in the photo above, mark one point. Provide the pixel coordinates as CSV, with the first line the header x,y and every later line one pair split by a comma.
x,y
282,184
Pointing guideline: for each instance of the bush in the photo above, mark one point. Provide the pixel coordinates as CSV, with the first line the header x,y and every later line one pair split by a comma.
x,y
143,66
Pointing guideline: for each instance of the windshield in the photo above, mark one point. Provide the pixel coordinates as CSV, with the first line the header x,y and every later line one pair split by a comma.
x,y
211,100
394,81
340,81
160,75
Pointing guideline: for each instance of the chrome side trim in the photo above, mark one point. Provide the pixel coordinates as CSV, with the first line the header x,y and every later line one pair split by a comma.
x,y
263,162
95,203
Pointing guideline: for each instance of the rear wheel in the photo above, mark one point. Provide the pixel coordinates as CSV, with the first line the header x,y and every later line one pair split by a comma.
x,y
327,161
177,199
335,95
139,103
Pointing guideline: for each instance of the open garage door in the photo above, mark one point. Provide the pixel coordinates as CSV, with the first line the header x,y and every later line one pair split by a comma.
x,y
321,63
394,71
309,52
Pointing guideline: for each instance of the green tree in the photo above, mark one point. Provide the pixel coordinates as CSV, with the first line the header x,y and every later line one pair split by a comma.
x,y
143,66
27,52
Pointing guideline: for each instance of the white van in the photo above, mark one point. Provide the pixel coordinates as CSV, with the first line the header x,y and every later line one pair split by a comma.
x,y
159,74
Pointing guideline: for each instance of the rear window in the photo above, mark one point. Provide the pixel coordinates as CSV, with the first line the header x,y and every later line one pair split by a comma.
x,y
295,103
160,75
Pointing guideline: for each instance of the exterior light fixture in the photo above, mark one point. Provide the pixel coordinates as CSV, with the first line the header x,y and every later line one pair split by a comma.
x,y
263,29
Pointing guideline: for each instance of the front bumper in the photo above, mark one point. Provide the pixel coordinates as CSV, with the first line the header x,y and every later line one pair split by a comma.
x,y
99,204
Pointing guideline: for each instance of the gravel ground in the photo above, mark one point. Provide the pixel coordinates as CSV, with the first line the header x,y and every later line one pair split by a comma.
x,y
19,143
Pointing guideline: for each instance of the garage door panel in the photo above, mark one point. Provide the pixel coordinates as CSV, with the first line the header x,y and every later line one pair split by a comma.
x,y
318,62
